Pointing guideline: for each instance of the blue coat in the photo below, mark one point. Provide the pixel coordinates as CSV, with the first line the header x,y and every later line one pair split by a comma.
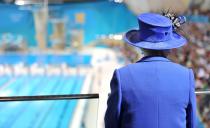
x,y
152,93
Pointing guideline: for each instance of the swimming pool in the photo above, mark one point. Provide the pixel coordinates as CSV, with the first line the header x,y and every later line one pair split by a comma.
x,y
72,60
38,114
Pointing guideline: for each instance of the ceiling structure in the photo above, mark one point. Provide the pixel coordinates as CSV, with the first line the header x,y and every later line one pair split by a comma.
x,y
26,2
139,6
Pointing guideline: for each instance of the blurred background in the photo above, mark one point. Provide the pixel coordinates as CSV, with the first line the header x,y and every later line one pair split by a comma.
x,y
56,47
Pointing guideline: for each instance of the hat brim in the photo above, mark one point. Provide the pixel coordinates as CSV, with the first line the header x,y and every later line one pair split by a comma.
x,y
132,38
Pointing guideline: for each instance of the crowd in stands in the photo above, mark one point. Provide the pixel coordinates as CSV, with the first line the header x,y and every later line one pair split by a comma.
x,y
197,53
197,56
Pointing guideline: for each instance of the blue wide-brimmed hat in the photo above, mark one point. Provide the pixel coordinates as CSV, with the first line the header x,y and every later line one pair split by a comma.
x,y
155,32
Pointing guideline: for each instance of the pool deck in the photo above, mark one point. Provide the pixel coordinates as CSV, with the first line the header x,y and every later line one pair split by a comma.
x,y
104,62
80,108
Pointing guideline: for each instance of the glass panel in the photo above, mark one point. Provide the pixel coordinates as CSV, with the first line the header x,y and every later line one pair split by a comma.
x,y
39,55
49,114
203,111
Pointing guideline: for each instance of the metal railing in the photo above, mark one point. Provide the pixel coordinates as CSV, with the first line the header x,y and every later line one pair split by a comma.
x,y
202,92
64,97
49,97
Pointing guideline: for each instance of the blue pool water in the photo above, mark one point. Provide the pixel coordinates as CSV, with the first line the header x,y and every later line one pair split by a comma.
x,y
29,59
38,114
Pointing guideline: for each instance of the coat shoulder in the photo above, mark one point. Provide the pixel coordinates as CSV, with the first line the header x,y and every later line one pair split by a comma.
x,y
145,67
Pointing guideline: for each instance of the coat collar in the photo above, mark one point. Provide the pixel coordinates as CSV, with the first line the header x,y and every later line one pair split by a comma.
x,y
153,58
